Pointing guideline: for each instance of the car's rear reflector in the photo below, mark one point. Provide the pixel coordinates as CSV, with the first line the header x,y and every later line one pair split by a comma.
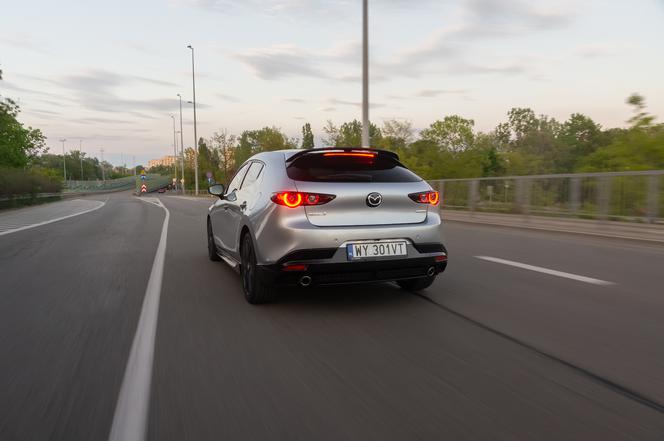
x,y
442,258
294,199
295,267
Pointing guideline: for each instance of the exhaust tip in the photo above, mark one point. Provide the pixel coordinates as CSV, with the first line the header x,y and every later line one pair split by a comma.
x,y
305,281
431,271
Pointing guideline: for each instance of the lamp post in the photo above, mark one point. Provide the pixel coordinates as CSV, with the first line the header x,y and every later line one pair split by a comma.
x,y
365,74
64,162
181,143
193,84
175,154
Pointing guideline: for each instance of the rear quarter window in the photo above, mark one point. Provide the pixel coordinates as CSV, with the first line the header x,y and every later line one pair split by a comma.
x,y
319,168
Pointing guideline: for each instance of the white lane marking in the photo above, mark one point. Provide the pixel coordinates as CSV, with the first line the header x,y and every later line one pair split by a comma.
x,y
551,272
57,219
131,411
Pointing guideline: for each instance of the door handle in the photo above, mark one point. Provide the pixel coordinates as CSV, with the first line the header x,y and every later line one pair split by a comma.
x,y
243,205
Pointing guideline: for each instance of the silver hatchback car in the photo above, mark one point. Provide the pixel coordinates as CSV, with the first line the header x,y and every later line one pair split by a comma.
x,y
323,217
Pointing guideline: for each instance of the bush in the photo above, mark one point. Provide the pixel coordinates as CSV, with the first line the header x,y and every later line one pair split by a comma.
x,y
20,182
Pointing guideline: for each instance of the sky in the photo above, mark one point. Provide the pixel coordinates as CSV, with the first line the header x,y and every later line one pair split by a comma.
x,y
108,73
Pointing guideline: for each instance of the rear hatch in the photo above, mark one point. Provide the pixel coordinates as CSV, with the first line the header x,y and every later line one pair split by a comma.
x,y
352,176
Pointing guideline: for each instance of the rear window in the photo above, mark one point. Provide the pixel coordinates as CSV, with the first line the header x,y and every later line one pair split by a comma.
x,y
319,168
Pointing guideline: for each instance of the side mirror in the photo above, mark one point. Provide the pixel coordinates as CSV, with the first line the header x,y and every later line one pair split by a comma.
x,y
216,190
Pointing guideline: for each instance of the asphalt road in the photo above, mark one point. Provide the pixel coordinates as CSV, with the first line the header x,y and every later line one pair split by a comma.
x,y
492,351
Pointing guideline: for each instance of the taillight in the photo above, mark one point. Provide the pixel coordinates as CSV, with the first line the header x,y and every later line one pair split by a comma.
x,y
352,154
294,199
426,197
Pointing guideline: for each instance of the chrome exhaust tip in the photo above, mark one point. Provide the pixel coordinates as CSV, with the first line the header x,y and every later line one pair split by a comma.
x,y
305,281
431,271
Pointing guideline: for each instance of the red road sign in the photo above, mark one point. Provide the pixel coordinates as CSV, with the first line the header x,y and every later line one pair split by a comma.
x,y
144,188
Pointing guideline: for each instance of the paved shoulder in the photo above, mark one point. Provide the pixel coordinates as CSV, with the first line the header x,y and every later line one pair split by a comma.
x,y
31,217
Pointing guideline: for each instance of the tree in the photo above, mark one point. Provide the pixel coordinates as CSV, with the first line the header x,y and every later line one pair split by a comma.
x,y
396,134
224,146
18,144
263,140
332,134
453,133
641,118
307,137
350,134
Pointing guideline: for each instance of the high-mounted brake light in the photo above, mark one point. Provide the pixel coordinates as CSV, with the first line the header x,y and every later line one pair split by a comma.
x,y
357,155
294,199
426,197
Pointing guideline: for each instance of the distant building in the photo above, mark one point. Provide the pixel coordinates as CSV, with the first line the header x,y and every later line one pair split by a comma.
x,y
167,161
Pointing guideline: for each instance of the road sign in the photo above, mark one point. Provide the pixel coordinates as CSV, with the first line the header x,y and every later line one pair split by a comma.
x,y
143,171
144,188
143,177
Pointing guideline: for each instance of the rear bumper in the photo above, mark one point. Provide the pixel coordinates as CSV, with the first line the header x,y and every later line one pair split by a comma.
x,y
334,272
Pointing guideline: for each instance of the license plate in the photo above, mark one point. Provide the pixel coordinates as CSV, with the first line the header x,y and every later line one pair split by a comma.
x,y
367,250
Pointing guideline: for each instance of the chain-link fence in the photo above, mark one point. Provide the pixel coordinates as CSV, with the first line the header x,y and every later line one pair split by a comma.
x,y
627,196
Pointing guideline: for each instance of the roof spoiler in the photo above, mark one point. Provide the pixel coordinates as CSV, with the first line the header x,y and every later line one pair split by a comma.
x,y
306,152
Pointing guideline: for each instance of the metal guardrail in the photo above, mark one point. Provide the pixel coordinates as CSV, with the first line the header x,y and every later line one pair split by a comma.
x,y
628,196
126,183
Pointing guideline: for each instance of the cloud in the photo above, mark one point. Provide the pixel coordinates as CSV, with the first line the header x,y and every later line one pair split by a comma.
x,y
431,93
297,9
478,20
225,97
294,100
25,42
328,109
354,103
280,61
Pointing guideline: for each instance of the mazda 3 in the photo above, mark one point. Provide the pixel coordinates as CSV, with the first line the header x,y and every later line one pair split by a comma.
x,y
324,217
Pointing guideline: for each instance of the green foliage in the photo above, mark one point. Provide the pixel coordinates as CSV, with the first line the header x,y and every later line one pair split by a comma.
x,y
19,182
349,134
18,144
307,137
453,134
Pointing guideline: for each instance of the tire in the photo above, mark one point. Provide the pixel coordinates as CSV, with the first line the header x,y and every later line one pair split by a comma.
x,y
212,248
255,291
416,284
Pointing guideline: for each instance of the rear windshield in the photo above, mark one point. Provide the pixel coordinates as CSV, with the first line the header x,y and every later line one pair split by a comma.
x,y
319,168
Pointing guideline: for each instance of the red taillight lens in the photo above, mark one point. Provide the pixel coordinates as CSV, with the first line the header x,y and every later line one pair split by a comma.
x,y
426,197
294,199
357,155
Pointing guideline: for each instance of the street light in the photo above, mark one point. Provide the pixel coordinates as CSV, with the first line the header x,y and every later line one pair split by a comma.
x,y
175,152
181,143
365,74
193,84
64,163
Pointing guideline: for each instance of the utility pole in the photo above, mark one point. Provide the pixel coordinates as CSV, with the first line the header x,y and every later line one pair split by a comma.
x,y
181,144
366,142
64,161
103,174
175,154
80,155
193,83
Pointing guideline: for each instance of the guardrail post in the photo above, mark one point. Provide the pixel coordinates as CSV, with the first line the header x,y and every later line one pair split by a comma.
x,y
575,195
441,190
653,198
604,197
472,195
522,196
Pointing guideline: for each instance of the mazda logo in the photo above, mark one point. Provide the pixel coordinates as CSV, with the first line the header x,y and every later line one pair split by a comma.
x,y
374,199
